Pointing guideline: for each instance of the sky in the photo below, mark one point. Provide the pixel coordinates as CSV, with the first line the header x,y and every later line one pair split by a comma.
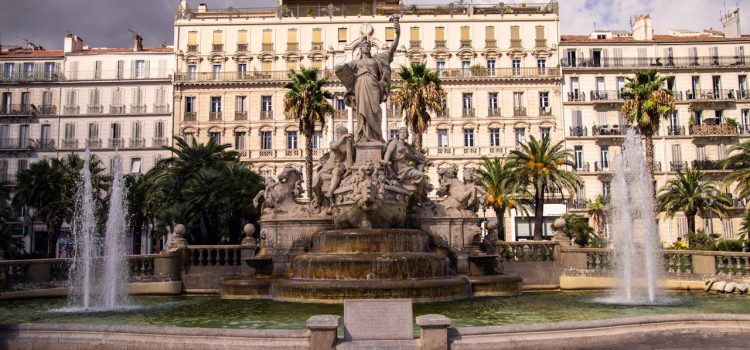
x,y
105,23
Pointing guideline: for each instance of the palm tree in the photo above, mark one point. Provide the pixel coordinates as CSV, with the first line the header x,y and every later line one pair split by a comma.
x,y
646,103
597,210
542,167
685,193
306,101
503,190
577,228
739,160
419,93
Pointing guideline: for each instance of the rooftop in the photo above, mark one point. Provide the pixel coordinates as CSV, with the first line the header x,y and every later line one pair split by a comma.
x,y
28,53
120,50
657,39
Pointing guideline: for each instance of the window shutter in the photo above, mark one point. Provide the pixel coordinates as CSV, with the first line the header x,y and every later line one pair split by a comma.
x,y
440,33
515,32
414,34
317,35
465,33
193,38
242,37
489,32
217,37
676,153
266,67
540,32
147,69
291,35
342,34
162,69
132,69
390,34
267,37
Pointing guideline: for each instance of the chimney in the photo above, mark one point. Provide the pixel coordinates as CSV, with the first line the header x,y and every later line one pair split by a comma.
x,y
73,43
731,22
137,42
642,28
202,8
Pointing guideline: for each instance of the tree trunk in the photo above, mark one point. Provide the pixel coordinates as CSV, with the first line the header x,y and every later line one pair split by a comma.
x,y
308,162
500,214
691,221
538,213
649,148
418,141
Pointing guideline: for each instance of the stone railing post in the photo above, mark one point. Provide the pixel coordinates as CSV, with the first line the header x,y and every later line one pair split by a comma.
x,y
433,332
704,264
168,264
323,330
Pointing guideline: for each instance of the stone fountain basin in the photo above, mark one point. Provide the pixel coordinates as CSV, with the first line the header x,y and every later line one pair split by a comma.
x,y
370,241
360,266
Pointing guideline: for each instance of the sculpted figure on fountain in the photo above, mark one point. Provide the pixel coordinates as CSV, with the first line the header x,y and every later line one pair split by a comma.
x,y
336,164
279,196
460,197
398,155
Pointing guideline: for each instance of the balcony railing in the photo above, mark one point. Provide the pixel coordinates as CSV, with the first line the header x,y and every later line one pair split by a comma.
x,y
677,165
743,129
137,109
70,143
20,77
392,111
584,167
660,62
116,109
578,131
240,115
71,109
94,143
161,109
189,116
47,110
45,144
241,47
490,44
317,46
95,109
710,95
676,130
713,130
605,95
292,47
519,111
214,116
465,44
159,141
468,112
576,204
266,114
440,44
137,142
657,166
540,43
267,47
545,111
16,144
601,166
16,109
576,96
516,43
706,164
217,48
493,112
443,113
415,44
192,48
340,114
116,143
607,130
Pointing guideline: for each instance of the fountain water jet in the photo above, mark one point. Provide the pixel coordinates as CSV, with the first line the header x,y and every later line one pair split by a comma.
x,y
634,232
98,283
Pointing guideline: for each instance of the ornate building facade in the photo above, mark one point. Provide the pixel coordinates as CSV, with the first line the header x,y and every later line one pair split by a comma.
x,y
498,64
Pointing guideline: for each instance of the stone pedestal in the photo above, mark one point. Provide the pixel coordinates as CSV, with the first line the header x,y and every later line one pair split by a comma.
x,y
323,331
372,151
433,331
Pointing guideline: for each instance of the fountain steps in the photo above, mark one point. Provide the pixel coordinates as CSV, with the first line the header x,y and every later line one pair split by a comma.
x,y
370,241
369,266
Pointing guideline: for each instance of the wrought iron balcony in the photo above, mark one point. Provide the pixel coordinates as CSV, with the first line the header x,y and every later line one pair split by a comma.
x,y
217,48
266,114
16,144
583,167
607,130
468,112
340,114
192,48
240,115
710,95
70,143
677,165
212,116
657,62
578,131
415,44
36,76
189,116
317,46
71,109
161,109
576,96
47,110
94,143
465,44
605,96
601,166
45,144
241,47
713,130
540,43
490,44
137,142
743,129
519,111
515,43
440,44
137,109
293,47
706,164
493,112
17,109
267,47
159,141
676,130
116,143
545,111
443,113
95,109
576,204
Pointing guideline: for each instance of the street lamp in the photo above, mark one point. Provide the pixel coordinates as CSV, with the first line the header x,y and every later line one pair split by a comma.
x,y
710,201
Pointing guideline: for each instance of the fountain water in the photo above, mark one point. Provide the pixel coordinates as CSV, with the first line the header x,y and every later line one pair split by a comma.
x,y
98,282
636,240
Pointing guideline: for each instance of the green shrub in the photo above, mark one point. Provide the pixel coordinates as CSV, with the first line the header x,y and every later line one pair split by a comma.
x,y
699,240
729,245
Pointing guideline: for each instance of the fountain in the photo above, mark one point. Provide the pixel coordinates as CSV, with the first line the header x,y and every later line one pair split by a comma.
x,y
636,242
98,282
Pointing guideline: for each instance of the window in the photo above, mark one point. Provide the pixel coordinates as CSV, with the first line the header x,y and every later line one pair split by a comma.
x,y
242,68
115,131
7,101
317,139
265,103
70,131
467,97
342,35
140,69
544,132
266,140
23,135
440,65
393,134
340,103
604,152
518,100
578,152
159,129
8,70
700,152
520,135
541,65
215,136
390,34
493,104
468,137
544,100
216,70
239,104
189,138
291,139
606,188
494,137
491,67
516,67
192,71
465,65
215,104
46,133
442,137
239,140
135,165
137,130
190,104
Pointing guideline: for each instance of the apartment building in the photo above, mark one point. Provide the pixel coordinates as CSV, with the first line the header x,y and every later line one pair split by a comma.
x,y
707,71
498,65
116,99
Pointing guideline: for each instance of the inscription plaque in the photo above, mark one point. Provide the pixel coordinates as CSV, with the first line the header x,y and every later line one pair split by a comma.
x,y
378,319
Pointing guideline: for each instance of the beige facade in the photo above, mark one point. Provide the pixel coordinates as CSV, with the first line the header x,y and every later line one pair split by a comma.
x,y
116,99
498,66
707,73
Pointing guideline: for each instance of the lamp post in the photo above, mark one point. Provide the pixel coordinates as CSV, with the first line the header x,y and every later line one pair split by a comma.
x,y
710,201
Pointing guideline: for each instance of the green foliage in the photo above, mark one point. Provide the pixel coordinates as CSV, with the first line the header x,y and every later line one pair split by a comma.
x,y
502,188
577,228
745,229
542,167
739,160
700,241
685,194
419,93
731,122
646,101
730,245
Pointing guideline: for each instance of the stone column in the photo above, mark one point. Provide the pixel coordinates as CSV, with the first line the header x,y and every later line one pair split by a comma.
x,y
331,132
384,122
350,119
433,332
323,331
